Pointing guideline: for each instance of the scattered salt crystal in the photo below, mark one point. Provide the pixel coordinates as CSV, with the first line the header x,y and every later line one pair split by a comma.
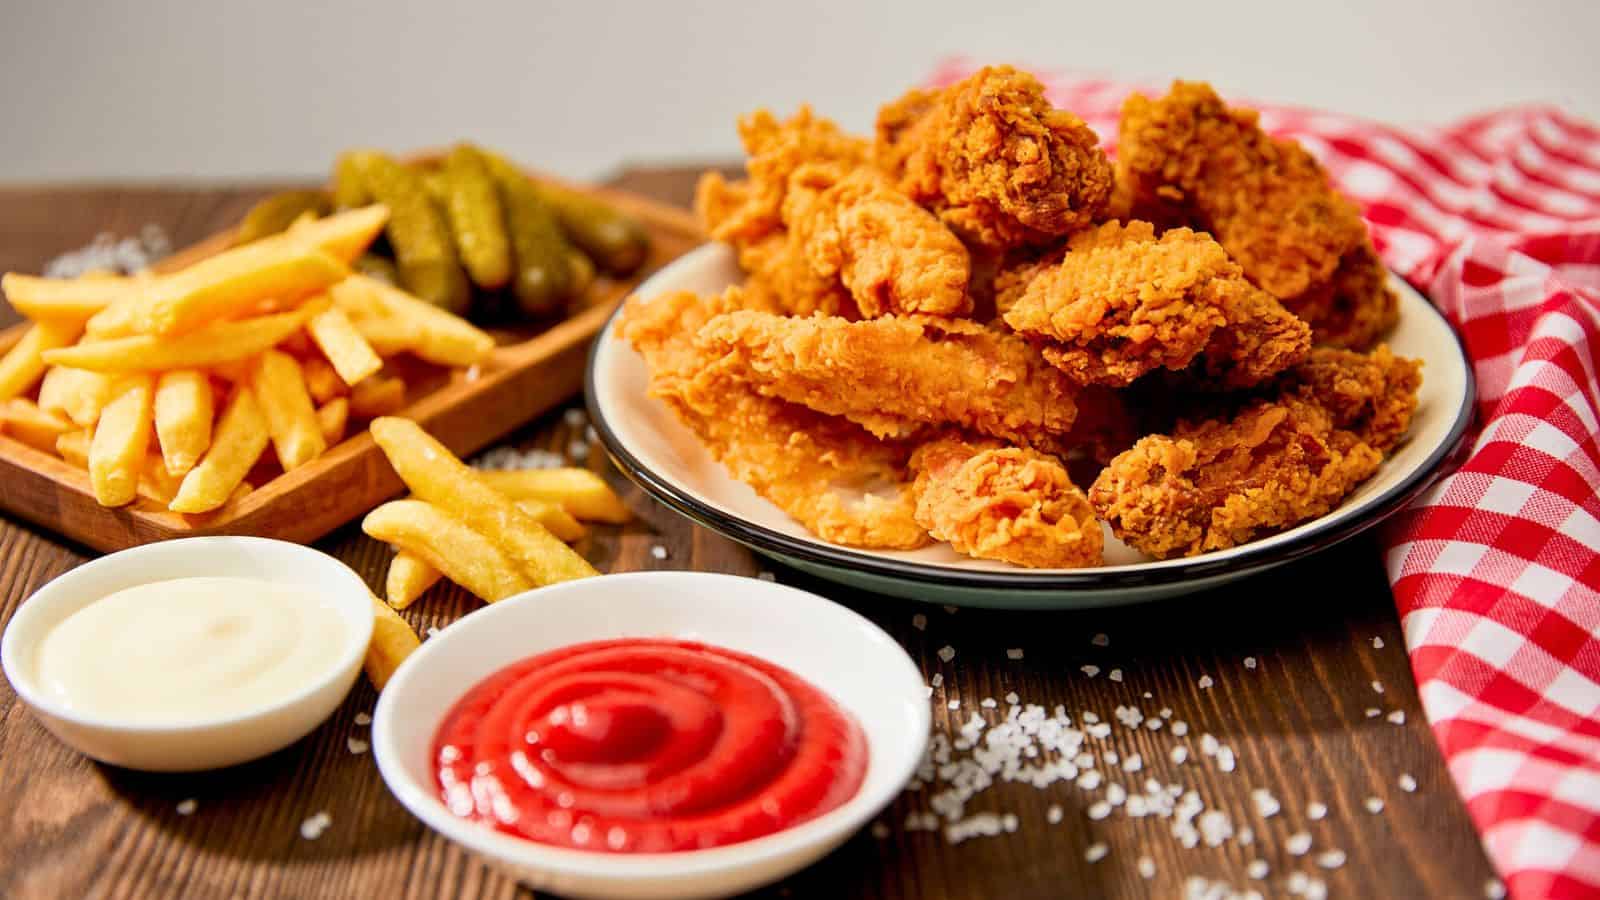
x,y
1099,810
1090,670
1166,711
1148,695
1179,755
363,719
107,253
988,703
947,653
578,451
1053,814
1205,682
1374,805
1266,805
1116,675
1298,843
1147,868
1112,758
1225,758
1012,698
433,630
919,622
356,745
1209,744
1099,731
1493,889
1331,859
951,609
1133,763
766,576
880,830
1009,822
187,807
1249,662
1316,811
1215,827
658,551
313,827
1398,717
1014,653
1100,640
1377,686
1089,780
1180,728
1247,836
1257,869
937,680
1096,852
1408,784
1153,724
1089,718
1377,643
573,417
1373,712
1116,794
954,704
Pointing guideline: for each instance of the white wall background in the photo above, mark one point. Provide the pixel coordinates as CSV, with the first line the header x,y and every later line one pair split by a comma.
x,y
190,88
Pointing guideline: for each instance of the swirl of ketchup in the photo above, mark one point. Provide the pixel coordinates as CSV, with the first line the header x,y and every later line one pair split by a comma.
x,y
646,746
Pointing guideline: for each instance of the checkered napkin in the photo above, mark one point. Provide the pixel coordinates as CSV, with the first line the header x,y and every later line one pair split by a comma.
x,y
1496,569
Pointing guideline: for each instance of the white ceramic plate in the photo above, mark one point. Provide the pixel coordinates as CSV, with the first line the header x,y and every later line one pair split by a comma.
x,y
835,649
654,449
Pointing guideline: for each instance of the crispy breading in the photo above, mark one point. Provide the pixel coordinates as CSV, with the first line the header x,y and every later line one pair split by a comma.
x,y
994,159
893,374
1004,503
1355,306
1267,201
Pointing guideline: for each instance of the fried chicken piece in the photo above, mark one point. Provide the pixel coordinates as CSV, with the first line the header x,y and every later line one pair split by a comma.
x,y
841,483
1005,503
895,374
998,163
1355,306
891,254
1267,201
1122,302
1280,460
778,270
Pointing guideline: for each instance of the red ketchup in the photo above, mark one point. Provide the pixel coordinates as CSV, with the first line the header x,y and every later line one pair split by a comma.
x,y
646,746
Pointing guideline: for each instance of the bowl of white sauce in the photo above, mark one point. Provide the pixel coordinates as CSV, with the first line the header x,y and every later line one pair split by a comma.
x,y
190,654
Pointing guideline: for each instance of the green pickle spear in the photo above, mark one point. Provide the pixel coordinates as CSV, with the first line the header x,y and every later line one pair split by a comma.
x,y
476,218
276,213
617,242
543,282
423,250
349,187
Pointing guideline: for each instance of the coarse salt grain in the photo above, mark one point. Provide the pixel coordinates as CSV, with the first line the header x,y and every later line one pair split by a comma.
x,y
937,680
1179,755
356,745
1377,687
1266,805
951,610
1316,811
880,830
1408,784
1377,643
1493,889
187,807
1331,859
766,576
1180,728
1112,758
1090,670
1053,815
658,551
363,719
1012,698
1099,810
1115,675
1100,640
954,704
1209,744
1133,763
1089,780
573,417
313,827
1257,869
988,703
1373,712
1298,843
1205,682
1147,868
433,631
1249,662
919,622
1014,653
1096,852
947,653
1374,805
1398,717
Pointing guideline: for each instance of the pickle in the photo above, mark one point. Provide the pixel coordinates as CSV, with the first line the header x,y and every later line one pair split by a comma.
x,y
378,267
349,187
616,242
423,249
582,272
433,182
275,214
543,280
476,218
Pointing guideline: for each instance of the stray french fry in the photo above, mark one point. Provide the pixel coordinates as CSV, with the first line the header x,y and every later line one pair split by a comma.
x,y
238,441
463,555
24,363
78,394
321,380
392,641
560,522
68,299
409,577
121,439
387,335
31,425
291,419
214,345
437,476
442,338
377,396
332,418
344,235
183,418
232,283
578,491
349,353
73,446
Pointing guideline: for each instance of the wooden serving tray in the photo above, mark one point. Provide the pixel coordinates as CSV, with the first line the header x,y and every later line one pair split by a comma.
x,y
528,374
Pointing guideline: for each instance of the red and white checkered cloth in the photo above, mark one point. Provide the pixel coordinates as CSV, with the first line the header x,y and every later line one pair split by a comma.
x,y
1496,570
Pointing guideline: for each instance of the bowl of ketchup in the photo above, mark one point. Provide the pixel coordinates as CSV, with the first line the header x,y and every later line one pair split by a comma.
x,y
653,734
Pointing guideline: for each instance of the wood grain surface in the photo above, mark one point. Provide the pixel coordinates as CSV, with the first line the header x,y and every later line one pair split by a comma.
x,y
1297,721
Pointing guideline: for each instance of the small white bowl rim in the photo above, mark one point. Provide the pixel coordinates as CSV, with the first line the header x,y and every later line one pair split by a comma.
x,y
424,804
23,683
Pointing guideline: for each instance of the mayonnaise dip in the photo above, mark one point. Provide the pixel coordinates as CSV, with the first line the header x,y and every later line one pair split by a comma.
x,y
191,650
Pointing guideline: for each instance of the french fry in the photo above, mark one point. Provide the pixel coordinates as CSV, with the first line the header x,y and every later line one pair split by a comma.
x,y
280,390
559,522
73,446
349,353
463,555
387,335
321,380
238,441
358,301
344,235
437,476
63,299
442,338
214,345
155,482
409,577
24,363
121,439
578,491
232,283
116,320
78,394
332,417
183,418
31,425
392,641
377,395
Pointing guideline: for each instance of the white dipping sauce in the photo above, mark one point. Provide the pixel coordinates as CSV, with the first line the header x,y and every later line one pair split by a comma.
x,y
191,650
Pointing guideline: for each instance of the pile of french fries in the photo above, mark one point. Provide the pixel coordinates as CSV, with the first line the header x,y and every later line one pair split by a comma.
x,y
496,534
187,388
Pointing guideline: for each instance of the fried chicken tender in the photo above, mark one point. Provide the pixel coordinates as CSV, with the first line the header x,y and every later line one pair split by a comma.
x,y
1353,308
895,374
834,478
1267,201
1285,457
998,163
1005,503
1122,302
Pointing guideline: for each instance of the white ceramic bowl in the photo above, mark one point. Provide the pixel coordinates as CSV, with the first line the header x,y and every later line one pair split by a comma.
x,y
202,745
850,658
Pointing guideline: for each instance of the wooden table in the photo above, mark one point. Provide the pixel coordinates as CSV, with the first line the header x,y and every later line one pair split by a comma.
x,y
1297,720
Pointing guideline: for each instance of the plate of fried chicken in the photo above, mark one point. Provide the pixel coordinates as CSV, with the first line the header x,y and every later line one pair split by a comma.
x,y
975,361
